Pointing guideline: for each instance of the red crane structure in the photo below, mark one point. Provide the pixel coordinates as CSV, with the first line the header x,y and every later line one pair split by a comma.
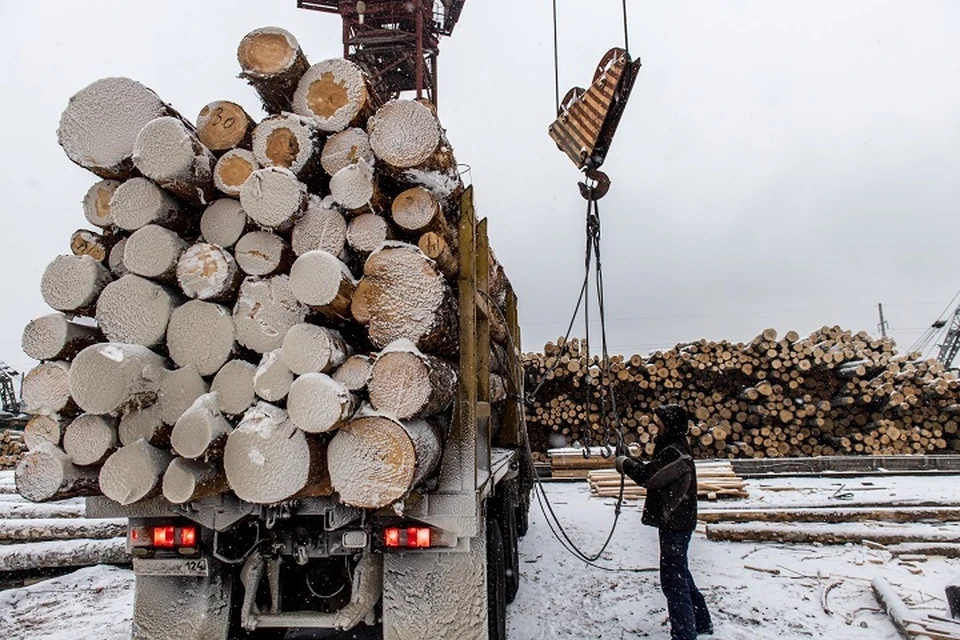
x,y
395,41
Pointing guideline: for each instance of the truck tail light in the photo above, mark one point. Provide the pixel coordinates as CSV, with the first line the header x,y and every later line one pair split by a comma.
x,y
183,539
407,537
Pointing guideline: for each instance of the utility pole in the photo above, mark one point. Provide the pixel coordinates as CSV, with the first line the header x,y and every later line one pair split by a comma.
x,y
883,323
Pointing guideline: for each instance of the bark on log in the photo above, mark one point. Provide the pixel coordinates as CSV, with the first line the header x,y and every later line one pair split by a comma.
x,y
417,211
54,337
201,432
407,384
261,253
856,535
100,125
90,439
234,384
267,459
146,423
367,232
308,348
73,283
324,283
32,511
115,259
47,473
46,389
375,461
318,404
273,197
345,148
96,203
42,428
272,62
153,251
61,529
187,480
944,549
201,334
179,389
321,227
290,142
135,310
134,472
223,222
223,125
63,553
354,373
402,295
334,93
836,515
107,377
273,378
265,311
168,152
355,189
84,242
208,272
139,202
232,170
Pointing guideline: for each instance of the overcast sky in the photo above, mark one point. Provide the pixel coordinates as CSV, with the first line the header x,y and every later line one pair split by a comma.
x,y
780,164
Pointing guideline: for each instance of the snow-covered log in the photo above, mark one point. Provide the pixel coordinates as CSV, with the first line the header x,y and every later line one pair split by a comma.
x,y
31,510
109,376
367,232
153,251
96,203
63,553
186,480
291,142
90,439
813,534
321,227
273,197
375,460
436,247
41,428
136,310
405,134
406,383
168,152
47,473
324,283
345,148
268,459
115,259
223,222
354,188
272,62
273,378
403,295
232,170
179,389
208,272
202,334
234,385
901,615
134,472
73,283
354,372
46,389
99,127
146,423
21,530
308,348
84,242
139,202
223,125
334,93
265,310
261,253
317,403
201,431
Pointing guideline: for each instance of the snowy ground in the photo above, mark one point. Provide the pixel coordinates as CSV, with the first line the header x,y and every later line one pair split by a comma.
x,y
562,598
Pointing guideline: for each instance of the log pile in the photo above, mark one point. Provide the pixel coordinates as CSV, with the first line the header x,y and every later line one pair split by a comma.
x,y
830,393
12,448
714,480
258,316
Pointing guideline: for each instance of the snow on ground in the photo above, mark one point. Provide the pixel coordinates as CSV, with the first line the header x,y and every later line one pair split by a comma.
x,y
561,598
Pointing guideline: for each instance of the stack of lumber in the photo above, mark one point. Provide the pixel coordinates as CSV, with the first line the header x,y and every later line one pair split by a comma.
x,y
12,448
265,308
830,393
715,479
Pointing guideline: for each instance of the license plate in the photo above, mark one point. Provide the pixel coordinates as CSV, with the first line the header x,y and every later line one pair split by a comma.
x,y
170,567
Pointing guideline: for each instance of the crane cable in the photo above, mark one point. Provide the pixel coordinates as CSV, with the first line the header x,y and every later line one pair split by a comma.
x,y
931,334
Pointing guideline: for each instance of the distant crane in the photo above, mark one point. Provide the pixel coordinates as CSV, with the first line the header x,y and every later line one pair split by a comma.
x,y
945,334
10,414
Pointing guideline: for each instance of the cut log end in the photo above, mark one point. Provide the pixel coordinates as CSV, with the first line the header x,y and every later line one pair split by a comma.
x,y
234,384
333,93
223,222
317,403
201,334
232,170
321,227
223,125
134,472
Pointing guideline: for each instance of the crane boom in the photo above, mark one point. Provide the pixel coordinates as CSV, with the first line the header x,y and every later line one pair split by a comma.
x,y
951,343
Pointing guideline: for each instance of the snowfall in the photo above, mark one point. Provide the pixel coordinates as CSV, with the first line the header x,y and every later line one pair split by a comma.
x,y
756,591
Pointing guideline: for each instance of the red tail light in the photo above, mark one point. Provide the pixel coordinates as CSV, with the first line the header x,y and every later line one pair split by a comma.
x,y
392,537
188,537
423,538
164,537
407,537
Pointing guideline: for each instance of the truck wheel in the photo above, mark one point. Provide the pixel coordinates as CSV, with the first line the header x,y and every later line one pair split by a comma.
x,y
507,503
523,514
496,583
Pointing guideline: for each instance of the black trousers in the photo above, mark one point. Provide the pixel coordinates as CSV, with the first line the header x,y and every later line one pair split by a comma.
x,y
685,604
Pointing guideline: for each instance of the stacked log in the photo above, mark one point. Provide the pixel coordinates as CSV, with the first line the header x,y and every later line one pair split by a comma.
x,y
12,448
235,335
830,393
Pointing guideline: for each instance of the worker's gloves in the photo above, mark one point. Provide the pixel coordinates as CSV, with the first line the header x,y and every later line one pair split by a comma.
x,y
619,463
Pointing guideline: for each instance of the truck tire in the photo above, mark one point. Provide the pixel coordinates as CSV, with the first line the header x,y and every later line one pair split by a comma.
x,y
496,583
506,508
523,513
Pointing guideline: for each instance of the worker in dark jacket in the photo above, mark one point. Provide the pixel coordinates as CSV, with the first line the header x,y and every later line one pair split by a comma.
x,y
671,506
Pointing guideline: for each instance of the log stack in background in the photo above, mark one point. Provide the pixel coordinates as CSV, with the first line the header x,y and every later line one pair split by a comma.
x,y
246,285
829,393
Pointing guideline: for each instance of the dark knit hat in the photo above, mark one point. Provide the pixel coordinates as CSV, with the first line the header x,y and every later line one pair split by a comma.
x,y
674,418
